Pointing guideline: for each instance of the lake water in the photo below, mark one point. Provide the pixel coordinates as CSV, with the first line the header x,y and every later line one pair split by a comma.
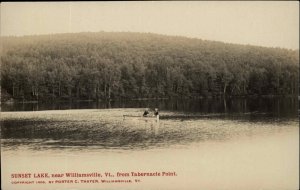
x,y
208,143
275,107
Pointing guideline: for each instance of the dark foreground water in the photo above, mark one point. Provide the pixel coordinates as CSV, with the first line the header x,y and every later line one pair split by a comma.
x,y
93,124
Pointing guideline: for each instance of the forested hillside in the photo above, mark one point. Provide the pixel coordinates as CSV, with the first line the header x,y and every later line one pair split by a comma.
x,y
138,65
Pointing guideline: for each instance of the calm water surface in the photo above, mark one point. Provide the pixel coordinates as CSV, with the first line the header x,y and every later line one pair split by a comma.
x,y
91,125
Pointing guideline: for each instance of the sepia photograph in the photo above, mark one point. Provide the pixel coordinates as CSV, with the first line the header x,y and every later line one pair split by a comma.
x,y
172,95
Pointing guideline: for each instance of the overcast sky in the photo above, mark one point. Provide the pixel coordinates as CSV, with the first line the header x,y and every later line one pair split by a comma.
x,y
272,24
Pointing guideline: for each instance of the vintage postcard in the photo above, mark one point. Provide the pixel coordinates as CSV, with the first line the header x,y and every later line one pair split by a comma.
x,y
181,95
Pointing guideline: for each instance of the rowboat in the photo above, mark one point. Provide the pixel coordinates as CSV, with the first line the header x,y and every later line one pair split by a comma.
x,y
146,118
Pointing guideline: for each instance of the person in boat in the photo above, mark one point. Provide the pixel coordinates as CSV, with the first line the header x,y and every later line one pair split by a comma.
x,y
146,112
156,112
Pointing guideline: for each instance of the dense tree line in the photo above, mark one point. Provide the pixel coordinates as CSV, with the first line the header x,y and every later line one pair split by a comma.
x,y
135,65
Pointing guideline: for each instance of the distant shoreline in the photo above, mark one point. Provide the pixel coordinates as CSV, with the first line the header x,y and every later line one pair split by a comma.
x,y
12,101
